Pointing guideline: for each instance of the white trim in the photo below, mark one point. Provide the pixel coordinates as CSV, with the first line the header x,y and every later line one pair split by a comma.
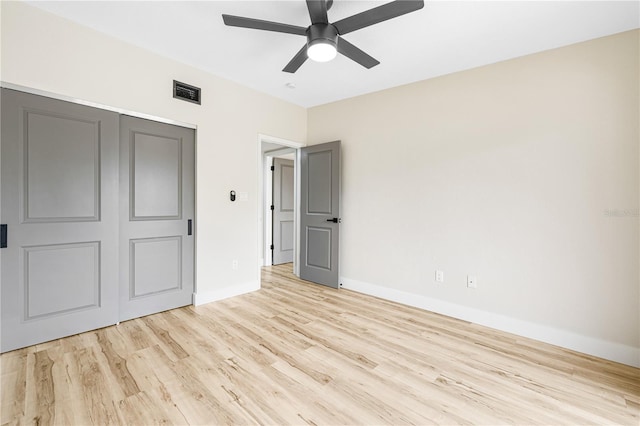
x,y
279,152
123,111
601,348
225,293
279,141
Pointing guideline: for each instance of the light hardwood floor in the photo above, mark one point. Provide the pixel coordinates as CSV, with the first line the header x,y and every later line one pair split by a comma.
x,y
299,353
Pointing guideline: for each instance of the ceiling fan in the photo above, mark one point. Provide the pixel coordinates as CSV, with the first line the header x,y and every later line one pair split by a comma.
x,y
324,39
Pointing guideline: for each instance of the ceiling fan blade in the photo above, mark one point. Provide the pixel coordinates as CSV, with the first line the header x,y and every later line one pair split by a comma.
x,y
352,52
377,14
259,24
297,60
318,11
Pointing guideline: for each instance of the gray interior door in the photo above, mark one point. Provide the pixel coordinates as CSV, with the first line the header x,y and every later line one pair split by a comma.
x,y
283,229
157,211
319,213
59,200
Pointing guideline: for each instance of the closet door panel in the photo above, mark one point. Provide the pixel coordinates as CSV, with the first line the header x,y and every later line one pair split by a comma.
x,y
59,202
157,205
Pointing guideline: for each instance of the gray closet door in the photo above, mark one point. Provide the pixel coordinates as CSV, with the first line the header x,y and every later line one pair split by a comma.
x,y
283,231
156,207
59,200
319,213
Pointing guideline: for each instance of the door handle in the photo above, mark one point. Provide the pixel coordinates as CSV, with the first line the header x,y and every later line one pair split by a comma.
x,y
334,220
3,236
189,227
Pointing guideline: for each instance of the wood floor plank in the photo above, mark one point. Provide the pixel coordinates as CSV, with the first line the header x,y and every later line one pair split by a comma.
x,y
117,364
97,388
299,353
14,382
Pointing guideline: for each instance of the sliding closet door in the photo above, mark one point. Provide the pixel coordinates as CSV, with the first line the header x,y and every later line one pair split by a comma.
x,y
59,202
156,210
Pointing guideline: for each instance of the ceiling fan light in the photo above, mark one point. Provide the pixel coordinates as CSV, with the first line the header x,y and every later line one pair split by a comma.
x,y
321,51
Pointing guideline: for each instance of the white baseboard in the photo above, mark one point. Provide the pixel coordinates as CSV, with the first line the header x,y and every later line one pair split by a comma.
x,y
201,298
601,348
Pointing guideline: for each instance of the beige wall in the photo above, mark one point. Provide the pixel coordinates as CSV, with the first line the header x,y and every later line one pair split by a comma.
x,y
505,172
45,52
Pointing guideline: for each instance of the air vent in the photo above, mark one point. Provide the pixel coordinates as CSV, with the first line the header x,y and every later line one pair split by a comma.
x,y
186,92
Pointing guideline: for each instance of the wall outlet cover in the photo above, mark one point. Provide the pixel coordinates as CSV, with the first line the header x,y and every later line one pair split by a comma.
x,y
472,281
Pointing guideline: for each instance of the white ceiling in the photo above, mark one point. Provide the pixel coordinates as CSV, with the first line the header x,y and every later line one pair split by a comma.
x,y
441,38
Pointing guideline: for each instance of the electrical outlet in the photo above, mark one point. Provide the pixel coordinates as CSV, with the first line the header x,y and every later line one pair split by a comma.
x,y
440,276
234,264
472,281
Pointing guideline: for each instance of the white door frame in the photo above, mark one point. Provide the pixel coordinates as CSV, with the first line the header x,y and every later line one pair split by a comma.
x,y
263,209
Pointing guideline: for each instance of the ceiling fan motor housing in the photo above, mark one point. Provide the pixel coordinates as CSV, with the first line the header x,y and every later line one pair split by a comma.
x,y
322,33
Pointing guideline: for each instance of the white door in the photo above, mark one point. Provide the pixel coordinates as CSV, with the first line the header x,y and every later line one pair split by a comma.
x,y
319,213
156,209
60,204
283,225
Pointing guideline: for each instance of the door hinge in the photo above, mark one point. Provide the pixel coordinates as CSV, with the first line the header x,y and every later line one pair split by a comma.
x,y
3,236
273,168
273,207
272,247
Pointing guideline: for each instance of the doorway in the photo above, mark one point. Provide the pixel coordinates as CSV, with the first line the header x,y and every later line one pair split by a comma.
x,y
284,151
317,173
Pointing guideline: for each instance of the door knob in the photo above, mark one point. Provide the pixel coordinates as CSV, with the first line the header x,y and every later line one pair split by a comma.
x,y
334,220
